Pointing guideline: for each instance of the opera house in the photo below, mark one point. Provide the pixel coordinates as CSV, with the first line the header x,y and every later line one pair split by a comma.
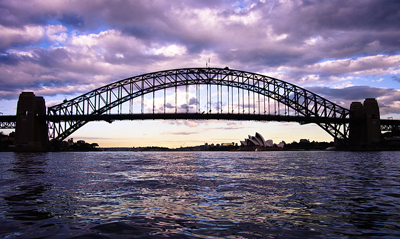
x,y
258,142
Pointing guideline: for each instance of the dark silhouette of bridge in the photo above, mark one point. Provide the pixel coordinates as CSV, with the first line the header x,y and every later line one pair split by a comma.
x,y
196,93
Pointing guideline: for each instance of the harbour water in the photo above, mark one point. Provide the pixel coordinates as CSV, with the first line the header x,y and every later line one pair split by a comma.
x,y
200,195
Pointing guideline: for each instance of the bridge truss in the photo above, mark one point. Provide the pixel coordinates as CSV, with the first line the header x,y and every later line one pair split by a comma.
x,y
7,125
8,122
199,93
390,125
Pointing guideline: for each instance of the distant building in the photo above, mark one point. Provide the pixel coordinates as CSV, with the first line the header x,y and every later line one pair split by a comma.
x,y
257,140
257,143
281,145
269,143
228,144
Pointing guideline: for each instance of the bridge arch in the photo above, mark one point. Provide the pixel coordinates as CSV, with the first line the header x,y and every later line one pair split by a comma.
x,y
67,117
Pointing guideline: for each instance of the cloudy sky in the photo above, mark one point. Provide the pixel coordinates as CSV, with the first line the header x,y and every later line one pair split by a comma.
x,y
343,50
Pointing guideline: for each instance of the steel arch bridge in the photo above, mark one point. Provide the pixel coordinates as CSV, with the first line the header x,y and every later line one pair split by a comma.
x,y
228,94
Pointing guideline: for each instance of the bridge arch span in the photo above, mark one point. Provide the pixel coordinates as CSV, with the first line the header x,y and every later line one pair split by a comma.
x,y
73,114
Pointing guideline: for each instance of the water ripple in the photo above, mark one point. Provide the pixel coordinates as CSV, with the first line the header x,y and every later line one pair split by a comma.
x,y
200,195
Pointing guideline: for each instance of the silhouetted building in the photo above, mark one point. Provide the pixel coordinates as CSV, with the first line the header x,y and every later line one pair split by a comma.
x,y
31,127
365,128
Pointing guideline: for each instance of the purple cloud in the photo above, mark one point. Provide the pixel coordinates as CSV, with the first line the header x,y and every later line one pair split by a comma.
x,y
193,101
71,47
355,93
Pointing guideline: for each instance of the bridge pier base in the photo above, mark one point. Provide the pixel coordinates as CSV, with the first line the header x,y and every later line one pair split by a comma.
x,y
31,131
365,126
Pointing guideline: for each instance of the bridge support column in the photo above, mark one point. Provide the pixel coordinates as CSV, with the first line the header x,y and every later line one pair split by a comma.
x,y
31,132
365,128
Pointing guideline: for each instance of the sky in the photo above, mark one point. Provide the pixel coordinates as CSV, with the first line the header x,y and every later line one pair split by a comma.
x,y
343,50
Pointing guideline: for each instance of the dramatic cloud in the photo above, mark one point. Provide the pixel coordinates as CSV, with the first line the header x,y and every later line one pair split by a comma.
x,y
388,99
354,93
344,50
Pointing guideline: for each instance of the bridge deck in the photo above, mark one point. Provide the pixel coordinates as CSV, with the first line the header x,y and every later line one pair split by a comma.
x,y
196,116
108,117
9,120
390,122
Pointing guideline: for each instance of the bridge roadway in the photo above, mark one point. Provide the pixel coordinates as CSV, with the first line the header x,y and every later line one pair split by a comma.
x,y
8,121
194,116
197,116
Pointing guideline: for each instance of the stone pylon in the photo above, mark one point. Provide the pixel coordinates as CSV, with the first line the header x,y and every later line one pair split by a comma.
x,y
365,128
31,131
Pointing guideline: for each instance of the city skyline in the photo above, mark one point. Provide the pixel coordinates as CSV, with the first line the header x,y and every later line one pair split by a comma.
x,y
343,51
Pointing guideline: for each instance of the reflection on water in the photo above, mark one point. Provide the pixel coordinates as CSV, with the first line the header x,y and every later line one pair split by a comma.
x,y
24,196
200,195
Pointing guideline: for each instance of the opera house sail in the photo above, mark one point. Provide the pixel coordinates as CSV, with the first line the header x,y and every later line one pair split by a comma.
x,y
258,142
